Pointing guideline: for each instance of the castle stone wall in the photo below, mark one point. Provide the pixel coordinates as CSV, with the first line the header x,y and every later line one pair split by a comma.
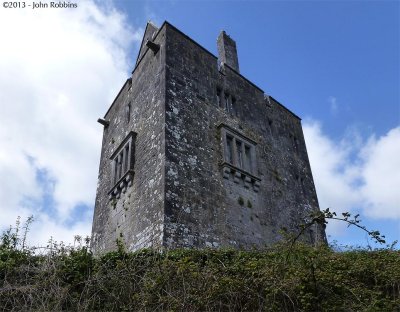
x,y
203,208
187,111
136,218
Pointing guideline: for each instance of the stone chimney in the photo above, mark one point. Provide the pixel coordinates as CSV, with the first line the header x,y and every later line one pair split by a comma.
x,y
227,52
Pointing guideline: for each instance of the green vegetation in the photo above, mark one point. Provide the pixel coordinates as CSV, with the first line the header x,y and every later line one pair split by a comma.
x,y
286,277
249,204
277,176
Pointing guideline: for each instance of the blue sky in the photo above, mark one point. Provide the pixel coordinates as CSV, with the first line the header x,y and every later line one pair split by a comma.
x,y
303,52
336,64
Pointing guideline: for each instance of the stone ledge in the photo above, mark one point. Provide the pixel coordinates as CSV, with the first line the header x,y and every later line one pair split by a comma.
x,y
238,175
121,185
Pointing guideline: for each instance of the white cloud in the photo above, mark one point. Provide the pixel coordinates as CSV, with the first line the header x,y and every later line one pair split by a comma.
x,y
381,175
60,70
355,175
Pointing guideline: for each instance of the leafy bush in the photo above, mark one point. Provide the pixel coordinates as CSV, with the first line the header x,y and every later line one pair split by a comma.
x,y
285,277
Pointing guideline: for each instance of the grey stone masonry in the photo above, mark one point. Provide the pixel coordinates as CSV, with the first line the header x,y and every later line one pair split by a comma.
x,y
194,155
227,51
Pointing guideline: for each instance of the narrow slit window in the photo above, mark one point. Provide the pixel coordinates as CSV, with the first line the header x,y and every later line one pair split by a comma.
x,y
128,112
227,102
234,107
271,126
219,100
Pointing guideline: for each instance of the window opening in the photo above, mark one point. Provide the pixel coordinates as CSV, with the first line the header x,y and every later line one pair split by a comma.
x,y
128,112
114,171
229,153
119,164
239,158
227,102
126,153
247,158
219,100
239,154
271,126
234,108
122,163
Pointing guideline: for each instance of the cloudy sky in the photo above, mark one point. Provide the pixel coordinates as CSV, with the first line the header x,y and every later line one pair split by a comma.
x,y
334,63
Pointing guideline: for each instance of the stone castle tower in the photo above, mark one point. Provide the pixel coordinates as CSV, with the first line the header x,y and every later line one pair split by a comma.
x,y
196,155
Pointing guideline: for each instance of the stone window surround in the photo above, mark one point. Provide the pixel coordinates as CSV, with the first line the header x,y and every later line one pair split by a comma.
x,y
125,154
233,167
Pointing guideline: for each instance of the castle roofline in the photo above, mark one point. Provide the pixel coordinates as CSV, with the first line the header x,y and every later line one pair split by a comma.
x,y
165,24
129,80
284,107
150,31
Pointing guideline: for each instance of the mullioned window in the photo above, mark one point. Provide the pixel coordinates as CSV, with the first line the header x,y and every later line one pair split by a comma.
x,y
240,163
122,166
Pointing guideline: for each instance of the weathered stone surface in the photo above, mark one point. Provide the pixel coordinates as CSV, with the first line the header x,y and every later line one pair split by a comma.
x,y
227,52
183,193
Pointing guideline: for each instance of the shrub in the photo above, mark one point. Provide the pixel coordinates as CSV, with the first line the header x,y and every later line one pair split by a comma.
x,y
284,277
